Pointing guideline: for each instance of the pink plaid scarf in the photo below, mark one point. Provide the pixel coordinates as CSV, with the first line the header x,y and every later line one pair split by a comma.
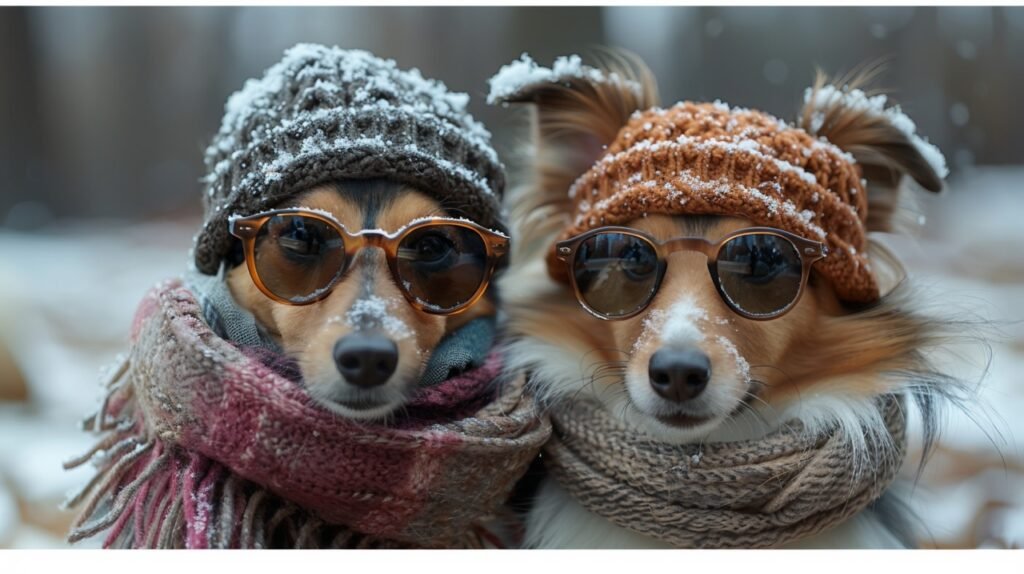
x,y
205,446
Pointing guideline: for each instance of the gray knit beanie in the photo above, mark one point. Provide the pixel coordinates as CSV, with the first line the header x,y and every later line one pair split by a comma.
x,y
322,114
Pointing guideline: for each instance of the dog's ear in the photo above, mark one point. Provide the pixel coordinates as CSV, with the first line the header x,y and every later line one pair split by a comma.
x,y
577,110
882,140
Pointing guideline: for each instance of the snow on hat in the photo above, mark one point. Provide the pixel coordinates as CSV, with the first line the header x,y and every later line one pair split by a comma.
x,y
713,159
322,114
709,158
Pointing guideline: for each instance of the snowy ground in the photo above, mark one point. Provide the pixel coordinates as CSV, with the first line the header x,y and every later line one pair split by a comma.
x,y
970,258
65,306
66,302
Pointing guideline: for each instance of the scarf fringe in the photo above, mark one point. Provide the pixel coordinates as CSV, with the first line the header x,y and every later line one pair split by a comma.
x,y
148,493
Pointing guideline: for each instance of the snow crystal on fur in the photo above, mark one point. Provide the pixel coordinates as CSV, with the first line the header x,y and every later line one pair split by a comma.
x,y
677,325
742,366
524,72
373,312
831,96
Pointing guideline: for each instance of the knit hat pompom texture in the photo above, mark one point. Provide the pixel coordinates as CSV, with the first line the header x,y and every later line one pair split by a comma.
x,y
322,114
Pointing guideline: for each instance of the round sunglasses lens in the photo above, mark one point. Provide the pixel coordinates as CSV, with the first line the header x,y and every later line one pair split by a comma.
x,y
442,266
615,273
297,257
760,274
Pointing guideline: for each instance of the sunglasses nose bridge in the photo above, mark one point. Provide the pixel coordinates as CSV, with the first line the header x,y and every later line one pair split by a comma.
x,y
374,239
684,254
688,245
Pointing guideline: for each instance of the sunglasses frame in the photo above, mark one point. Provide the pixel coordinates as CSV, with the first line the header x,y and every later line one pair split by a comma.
x,y
248,228
808,250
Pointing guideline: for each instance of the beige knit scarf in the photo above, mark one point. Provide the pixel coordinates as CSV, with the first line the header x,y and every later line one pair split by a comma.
x,y
754,494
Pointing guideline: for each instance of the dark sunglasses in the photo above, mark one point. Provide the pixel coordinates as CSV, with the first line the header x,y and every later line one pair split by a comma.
x,y
760,272
441,265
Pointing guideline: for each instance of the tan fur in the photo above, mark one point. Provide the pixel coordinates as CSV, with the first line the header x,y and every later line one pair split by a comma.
x,y
817,347
884,153
761,343
309,332
822,362
572,122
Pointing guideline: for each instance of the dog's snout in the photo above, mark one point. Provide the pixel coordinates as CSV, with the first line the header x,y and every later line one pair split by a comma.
x,y
366,360
679,375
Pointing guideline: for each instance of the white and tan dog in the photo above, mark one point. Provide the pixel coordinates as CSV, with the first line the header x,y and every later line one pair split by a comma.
x,y
687,368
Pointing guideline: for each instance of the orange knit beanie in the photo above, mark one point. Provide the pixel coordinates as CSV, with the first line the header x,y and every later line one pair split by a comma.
x,y
707,158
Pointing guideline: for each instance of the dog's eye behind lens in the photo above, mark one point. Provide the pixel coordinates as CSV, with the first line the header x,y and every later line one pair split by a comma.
x,y
615,273
760,273
303,239
431,248
442,266
638,261
297,256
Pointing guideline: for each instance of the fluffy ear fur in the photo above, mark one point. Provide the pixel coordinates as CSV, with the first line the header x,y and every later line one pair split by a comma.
x,y
577,111
882,140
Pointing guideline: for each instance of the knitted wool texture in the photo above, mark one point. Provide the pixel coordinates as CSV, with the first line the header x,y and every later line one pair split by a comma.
x,y
702,158
755,494
323,114
205,446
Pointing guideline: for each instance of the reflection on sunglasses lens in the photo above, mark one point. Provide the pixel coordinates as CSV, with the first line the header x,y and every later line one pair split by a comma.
x,y
297,257
442,266
760,273
615,273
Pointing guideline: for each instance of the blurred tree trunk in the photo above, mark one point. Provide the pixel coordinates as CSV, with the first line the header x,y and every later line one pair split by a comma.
x,y
22,177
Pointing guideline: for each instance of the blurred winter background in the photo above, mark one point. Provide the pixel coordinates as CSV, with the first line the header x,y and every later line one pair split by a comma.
x,y
104,113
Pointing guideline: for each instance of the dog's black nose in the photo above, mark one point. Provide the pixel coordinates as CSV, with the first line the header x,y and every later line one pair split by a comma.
x,y
679,375
365,360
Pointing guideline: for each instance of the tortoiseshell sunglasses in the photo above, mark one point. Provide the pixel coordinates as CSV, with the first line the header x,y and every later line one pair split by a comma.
x,y
441,265
760,272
